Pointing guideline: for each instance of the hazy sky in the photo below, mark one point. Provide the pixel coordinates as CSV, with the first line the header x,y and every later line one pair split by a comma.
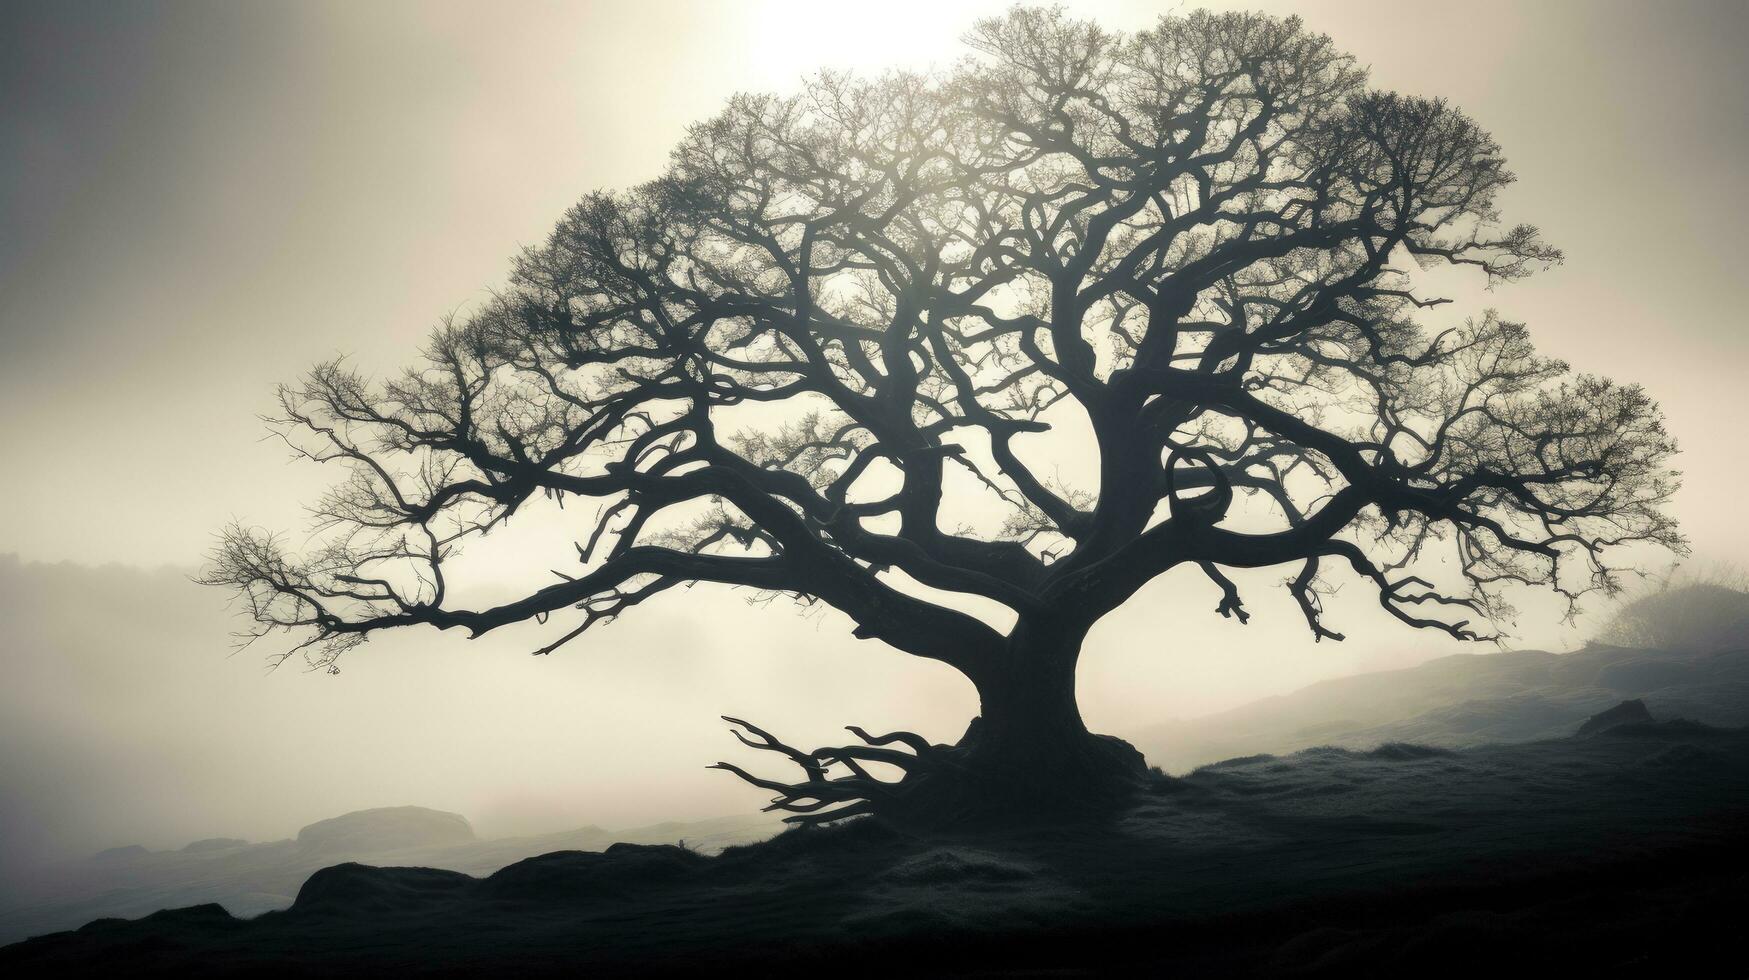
x,y
198,200
202,199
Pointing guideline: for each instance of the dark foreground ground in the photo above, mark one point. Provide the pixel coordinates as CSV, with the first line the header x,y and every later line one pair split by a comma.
x,y
1619,852
251,878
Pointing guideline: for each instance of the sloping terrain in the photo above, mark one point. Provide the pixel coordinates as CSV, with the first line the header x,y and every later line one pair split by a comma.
x,y
1682,647
248,879
1464,701
1454,702
1445,807
1626,848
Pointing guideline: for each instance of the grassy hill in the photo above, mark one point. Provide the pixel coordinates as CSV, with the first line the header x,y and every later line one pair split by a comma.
x,y
1622,850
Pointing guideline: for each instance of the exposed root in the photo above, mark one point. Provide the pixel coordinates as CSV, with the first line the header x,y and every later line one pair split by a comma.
x,y
944,787
853,794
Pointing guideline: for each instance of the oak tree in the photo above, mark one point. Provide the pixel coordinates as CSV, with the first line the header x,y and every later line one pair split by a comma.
x,y
1205,243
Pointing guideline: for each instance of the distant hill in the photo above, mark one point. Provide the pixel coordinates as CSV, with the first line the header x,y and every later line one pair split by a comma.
x,y
251,878
1468,700
1705,614
1699,673
1619,852
1682,648
387,828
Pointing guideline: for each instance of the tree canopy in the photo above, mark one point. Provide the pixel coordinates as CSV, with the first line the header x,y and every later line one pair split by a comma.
x,y
769,367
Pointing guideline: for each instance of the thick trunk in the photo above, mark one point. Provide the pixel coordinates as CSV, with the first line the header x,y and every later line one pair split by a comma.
x,y
1027,756
1029,701
1029,743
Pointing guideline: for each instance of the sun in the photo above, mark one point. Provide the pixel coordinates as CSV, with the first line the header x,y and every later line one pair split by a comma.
x,y
786,39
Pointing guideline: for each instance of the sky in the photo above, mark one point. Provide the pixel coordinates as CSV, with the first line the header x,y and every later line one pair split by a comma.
x,y
199,200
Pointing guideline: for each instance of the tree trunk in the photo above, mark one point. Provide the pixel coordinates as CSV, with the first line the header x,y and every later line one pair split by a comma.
x,y
1029,747
1027,757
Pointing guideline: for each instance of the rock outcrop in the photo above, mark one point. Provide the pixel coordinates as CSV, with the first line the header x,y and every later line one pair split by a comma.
x,y
1632,712
386,829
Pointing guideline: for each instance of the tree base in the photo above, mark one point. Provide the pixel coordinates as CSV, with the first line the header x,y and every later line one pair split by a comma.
x,y
986,781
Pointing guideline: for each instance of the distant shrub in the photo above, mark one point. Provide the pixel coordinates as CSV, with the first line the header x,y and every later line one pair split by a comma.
x,y
1703,611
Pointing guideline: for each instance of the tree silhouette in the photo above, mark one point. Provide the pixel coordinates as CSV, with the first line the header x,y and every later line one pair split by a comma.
x,y
1205,243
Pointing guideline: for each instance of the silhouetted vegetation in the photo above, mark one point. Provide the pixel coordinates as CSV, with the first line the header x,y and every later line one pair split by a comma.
x,y
1620,849
1700,611
817,357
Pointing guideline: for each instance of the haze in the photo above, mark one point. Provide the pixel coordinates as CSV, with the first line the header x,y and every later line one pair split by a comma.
x,y
201,200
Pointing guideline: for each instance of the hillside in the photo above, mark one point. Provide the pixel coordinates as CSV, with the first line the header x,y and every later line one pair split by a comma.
x,y
252,878
1456,702
1466,700
1623,849
1682,647
1524,801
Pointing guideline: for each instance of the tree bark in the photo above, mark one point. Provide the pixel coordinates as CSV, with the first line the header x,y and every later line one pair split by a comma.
x,y
1028,756
1029,745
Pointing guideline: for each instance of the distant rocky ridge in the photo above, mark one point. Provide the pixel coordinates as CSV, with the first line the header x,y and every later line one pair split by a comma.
x,y
386,829
1626,713
213,844
1452,703
1326,862
1682,649
1603,693
251,878
1467,700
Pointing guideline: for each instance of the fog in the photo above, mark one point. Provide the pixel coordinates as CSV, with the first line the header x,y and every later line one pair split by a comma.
x,y
127,718
203,199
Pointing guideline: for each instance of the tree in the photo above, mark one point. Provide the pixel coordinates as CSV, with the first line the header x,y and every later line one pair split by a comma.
x,y
1203,242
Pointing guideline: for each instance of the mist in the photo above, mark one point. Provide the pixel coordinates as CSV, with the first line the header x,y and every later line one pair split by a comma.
x,y
128,717
202,199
